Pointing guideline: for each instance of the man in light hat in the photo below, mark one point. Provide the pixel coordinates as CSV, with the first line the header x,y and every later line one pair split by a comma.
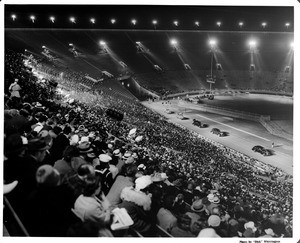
x,y
102,170
86,155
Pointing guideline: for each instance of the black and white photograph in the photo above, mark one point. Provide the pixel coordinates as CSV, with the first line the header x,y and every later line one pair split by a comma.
x,y
149,120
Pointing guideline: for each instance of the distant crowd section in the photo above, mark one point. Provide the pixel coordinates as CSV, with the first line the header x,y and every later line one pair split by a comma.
x,y
75,165
171,82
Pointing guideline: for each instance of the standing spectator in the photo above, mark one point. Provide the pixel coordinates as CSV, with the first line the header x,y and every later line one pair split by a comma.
x,y
14,89
104,173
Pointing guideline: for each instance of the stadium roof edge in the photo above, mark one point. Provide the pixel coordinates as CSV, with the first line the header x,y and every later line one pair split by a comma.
x,y
142,30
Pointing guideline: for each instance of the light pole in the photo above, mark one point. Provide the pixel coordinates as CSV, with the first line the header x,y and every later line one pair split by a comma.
x,y
211,80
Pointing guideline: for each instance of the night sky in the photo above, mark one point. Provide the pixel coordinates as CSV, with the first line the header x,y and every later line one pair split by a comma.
x,y
252,16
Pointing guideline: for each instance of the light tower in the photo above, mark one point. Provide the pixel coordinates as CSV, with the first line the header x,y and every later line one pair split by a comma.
x,y
252,46
211,79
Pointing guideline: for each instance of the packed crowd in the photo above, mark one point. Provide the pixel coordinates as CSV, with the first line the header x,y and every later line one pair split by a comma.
x,y
75,166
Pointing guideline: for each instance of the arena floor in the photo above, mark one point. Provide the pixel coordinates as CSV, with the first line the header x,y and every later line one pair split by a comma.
x,y
243,135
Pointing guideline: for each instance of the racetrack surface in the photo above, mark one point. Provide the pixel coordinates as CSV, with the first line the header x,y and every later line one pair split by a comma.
x,y
243,135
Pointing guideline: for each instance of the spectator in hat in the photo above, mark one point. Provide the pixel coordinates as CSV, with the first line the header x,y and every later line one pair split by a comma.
x,y
48,208
208,233
64,165
125,179
198,211
214,221
92,205
76,182
102,170
268,233
137,202
86,155
209,204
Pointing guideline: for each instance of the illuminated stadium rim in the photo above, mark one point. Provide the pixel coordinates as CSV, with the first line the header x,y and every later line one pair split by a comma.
x,y
153,30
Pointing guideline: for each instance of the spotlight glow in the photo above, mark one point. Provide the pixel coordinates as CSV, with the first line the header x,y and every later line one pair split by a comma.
x,y
219,23
292,45
13,16
70,44
287,24
113,21
212,42
137,42
32,17
133,21
173,42
264,24
52,19
252,43
93,20
154,21
175,23
197,23
102,43
241,24
73,20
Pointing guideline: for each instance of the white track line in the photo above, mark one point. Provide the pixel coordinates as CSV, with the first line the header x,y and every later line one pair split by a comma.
x,y
234,128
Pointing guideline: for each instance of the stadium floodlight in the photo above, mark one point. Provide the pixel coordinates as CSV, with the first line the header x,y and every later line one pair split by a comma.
x,y
219,23
102,43
52,19
113,21
73,20
241,24
154,22
212,43
173,42
197,23
252,43
32,17
133,21
13,16
264,24
175,22
93,20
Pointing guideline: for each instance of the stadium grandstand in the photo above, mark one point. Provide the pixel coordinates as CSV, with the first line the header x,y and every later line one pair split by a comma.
x,y
148,127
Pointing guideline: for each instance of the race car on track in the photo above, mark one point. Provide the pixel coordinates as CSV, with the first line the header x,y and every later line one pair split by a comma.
x,y
218,132
199,123
260,149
